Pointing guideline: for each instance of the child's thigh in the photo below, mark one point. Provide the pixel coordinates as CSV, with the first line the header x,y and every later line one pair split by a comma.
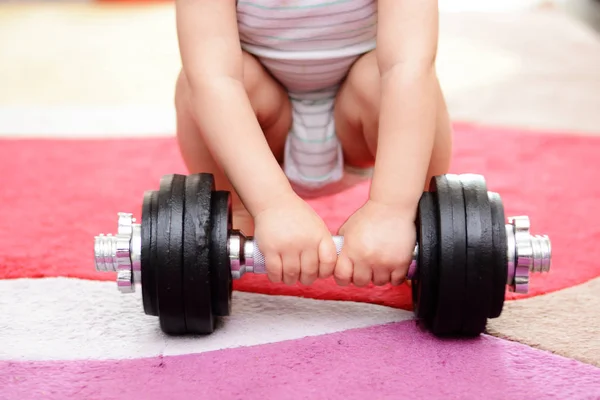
x,y
270,102
268,99
357,117
357,112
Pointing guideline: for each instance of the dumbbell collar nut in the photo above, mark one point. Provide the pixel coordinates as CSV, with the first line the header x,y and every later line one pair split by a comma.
x,y
121,253
526,253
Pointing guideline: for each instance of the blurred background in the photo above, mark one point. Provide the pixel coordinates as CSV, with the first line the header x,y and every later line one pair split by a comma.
x,y
108,68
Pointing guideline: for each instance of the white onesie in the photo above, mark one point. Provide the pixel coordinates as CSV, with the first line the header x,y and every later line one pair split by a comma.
x,y
309,47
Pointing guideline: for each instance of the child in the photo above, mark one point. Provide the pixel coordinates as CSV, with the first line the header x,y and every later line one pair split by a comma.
x,y
286,99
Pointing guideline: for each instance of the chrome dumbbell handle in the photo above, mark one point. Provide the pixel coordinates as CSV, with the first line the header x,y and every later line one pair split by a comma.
x,y
526,253
246,257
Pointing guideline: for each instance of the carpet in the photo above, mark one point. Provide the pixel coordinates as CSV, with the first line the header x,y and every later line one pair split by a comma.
x,y
67,333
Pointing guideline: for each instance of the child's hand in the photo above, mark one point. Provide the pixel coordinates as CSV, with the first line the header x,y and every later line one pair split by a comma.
x,y
295,242
378,244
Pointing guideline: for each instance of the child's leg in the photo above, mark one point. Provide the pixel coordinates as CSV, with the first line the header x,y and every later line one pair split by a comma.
x,y
357,115
271,105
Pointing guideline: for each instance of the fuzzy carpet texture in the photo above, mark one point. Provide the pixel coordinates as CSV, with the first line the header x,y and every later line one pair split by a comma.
x,y
68,333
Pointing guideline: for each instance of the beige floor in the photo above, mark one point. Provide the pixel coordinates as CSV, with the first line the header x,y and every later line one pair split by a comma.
x,y
565,322
537,69
109,70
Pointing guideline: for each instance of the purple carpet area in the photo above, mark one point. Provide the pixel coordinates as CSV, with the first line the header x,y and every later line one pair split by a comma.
x,y
392,361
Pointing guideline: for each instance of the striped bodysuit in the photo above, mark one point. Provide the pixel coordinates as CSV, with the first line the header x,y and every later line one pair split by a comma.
x,y
309,47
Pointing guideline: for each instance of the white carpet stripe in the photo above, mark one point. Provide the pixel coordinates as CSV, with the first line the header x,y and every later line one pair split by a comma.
x,y
65,319
86,122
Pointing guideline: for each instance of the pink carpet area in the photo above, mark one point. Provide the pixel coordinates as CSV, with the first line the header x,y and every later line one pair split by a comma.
x,y
392,361
57,195
90,343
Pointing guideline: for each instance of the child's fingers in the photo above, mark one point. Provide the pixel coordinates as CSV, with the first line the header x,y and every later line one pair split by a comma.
x,y
309,267
274,267
362,275
343,270
381,276
327,258
397,277
291,267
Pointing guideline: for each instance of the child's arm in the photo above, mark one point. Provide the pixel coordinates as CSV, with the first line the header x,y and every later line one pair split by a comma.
x,y
379,238
212,62
295,242
406,52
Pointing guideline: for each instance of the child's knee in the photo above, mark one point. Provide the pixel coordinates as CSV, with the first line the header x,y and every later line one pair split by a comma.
x,y
441,156
181,92
364,82
253,74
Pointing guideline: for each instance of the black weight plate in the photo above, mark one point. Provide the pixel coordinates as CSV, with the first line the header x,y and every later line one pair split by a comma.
x,y
199,318
480,245
222,283
169,243
147,263
153,250
452,254
500,257
424,288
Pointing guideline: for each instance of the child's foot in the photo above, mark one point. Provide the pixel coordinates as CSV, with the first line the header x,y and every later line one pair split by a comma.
x,y
243,221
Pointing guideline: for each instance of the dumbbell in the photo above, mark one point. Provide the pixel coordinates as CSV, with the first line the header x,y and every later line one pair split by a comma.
x,y
185,253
